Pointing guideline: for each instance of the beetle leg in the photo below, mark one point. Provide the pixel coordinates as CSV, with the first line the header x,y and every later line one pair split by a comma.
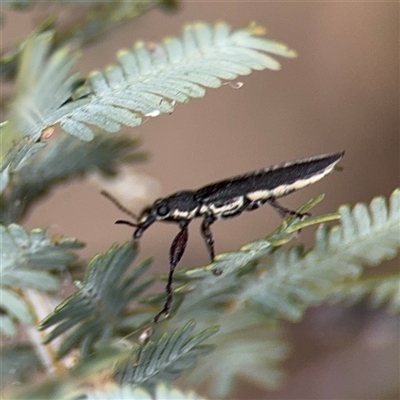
x,y
254,205
283,211
175,254
209,239
207,235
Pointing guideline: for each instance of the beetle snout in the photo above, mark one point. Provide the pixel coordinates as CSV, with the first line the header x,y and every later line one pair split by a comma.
x,y
143,225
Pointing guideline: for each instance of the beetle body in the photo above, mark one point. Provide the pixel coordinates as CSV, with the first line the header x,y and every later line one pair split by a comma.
x,y
227,199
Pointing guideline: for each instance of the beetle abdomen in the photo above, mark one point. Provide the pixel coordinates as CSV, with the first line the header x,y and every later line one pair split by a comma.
x,y
272,182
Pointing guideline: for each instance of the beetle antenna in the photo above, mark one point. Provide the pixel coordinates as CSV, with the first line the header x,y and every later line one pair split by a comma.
x,y
120,207
123,222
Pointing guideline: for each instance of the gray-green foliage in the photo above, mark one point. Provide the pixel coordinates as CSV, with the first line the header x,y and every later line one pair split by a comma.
x,y
96,18
17,361
256,288
136,370
27,261
165,359
147,81
263,283
247,347
64,158
97,309
382,290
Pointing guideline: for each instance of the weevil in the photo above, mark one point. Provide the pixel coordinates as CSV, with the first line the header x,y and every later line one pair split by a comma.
x,y
227,199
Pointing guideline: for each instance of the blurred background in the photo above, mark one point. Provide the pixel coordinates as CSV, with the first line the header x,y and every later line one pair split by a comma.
x,y
342,92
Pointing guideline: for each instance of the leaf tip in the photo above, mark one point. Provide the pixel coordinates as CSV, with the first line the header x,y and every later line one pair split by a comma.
x,y
257,30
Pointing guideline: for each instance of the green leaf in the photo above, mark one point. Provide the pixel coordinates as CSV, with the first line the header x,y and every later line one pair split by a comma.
x,y
96,19
17,362
34,250
293,280
7,326
96,310
9,60
381,290
27,259
371,234
65,158
166,359
14,153
147,82
43,85
149,79
246,347
15,306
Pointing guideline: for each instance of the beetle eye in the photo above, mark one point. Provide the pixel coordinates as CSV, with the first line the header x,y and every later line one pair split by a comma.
x,y
162,210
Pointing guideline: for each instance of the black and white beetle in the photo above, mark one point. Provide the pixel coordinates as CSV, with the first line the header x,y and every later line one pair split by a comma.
x,y
227,199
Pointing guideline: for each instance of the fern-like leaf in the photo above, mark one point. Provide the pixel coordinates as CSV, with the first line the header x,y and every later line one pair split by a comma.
x,y
147,81
166,359
371,234
18,362
27,259
96,310
150,79
14,154
43,86
96,19
381,290
294,280
246,347
64,158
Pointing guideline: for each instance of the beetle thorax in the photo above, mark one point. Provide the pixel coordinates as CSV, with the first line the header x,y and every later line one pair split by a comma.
x,y
179,206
